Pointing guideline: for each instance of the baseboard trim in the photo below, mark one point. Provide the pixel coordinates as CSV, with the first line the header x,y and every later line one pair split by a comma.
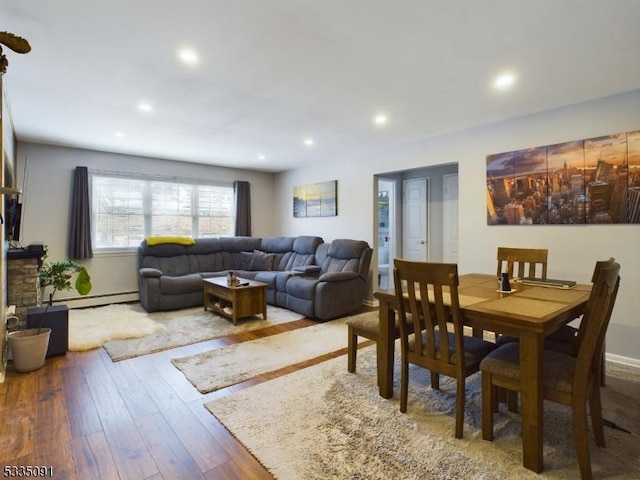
x,y
628,361
99,300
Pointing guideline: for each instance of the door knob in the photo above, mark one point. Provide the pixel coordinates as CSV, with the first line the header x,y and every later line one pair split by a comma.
x,y
422,242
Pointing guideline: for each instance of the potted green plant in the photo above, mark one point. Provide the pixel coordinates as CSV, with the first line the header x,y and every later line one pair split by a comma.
x,y
29,346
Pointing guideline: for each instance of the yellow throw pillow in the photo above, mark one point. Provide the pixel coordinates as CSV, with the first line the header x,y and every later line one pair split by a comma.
x,y
180,240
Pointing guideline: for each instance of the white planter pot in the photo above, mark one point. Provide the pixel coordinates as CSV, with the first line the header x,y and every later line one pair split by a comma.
x,y
29,348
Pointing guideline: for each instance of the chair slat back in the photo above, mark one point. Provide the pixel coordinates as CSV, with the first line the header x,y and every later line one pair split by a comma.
x,y
601,264
596,320
522,262
432,292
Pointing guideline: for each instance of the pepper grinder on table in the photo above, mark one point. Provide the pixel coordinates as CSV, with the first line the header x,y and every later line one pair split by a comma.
x,y
505,286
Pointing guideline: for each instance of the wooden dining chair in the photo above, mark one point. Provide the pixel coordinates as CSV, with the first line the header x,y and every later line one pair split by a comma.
x,y
567,338
568,380
525,262
430,291
522,262
366,326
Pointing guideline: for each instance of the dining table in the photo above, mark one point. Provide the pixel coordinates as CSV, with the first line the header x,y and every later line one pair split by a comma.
x,y
528,312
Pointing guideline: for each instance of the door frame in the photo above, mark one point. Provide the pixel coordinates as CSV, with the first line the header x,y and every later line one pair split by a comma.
x,y
427,212
448,222
393,232
434,173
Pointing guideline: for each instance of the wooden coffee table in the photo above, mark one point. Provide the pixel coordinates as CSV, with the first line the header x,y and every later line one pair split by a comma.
x,y
234,302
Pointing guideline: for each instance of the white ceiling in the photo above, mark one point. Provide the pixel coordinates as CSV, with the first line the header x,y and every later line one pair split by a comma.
x,y
274,72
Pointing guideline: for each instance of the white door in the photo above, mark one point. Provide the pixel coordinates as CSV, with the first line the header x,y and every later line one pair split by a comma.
x,y
450,218
414,214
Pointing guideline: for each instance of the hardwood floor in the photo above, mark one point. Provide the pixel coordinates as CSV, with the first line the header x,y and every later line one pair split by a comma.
x,y
90,418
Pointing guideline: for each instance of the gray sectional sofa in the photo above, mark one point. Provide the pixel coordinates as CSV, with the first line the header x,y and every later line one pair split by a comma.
x,y
303,274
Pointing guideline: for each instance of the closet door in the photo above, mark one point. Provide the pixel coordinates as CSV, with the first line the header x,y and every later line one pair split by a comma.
x,y
415,213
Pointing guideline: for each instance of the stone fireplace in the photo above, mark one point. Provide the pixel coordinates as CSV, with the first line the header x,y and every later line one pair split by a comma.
x,y
23,288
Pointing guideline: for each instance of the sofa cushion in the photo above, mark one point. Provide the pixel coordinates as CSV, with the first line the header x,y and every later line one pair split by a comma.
x,y
304,248
267,277
339,265
281,260
261,261
302,287
210,262
306,244
173,266
239,244
277,244
180,285
345,249
245,260
321,253
346,255
205,246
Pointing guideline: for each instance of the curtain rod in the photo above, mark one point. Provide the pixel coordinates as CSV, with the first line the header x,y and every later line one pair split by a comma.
x,y
164,178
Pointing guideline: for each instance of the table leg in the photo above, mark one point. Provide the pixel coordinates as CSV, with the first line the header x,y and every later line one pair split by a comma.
x,y
385,349
263,299
532,382
234,307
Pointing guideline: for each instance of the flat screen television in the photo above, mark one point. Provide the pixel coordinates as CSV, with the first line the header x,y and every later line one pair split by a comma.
x,y
12,218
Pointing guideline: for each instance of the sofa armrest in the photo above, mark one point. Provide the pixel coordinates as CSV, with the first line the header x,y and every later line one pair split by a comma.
x,y
150,273
308,269
337,276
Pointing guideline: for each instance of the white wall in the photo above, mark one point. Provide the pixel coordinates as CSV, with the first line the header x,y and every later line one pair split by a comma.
x,y
47,199
573,250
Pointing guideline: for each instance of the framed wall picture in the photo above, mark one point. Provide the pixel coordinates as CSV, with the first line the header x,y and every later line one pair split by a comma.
x,y
590,181
316,199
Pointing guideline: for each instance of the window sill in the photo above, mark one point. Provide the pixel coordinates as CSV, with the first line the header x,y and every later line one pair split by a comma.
x,y
115,252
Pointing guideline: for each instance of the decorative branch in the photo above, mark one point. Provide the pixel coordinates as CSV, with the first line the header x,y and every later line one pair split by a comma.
x,y
13,42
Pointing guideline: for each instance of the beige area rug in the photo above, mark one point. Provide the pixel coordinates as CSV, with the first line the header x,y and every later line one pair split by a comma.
x,y
183,327
220,368
322,422
91,327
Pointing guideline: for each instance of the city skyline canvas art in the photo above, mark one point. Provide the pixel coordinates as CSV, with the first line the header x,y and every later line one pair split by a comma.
x,y
590,181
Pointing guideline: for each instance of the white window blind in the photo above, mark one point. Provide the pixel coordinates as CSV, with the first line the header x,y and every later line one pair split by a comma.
x,y
126,209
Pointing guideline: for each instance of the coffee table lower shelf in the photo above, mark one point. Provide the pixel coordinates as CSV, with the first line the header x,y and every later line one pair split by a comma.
x,y
235,302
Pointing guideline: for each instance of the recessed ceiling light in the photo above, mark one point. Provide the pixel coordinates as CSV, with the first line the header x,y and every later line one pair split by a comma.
x,y
121,134
145,107
309,142
261,157
380,119
188,56
504,81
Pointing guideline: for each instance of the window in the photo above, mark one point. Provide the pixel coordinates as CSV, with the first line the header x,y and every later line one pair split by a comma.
x,y
126,209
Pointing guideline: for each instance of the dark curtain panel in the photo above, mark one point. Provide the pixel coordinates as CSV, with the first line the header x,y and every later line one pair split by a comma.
x,y
242,193
80,225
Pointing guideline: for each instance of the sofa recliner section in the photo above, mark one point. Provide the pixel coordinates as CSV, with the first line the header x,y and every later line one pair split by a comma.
x,y
340,286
